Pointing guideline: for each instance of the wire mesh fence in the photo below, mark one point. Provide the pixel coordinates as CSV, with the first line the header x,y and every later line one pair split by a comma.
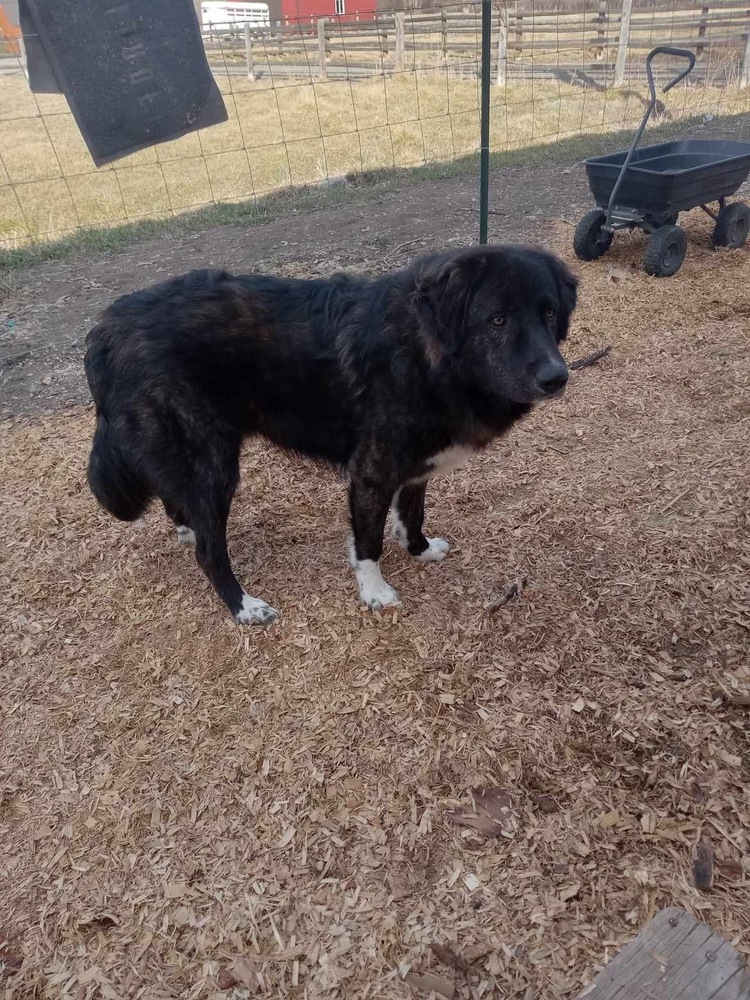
x,y
314,100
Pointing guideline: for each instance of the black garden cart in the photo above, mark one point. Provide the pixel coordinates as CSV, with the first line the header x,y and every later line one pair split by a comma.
x,y
647,188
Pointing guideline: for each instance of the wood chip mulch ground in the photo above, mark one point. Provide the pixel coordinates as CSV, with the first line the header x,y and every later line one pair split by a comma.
x,y
481,795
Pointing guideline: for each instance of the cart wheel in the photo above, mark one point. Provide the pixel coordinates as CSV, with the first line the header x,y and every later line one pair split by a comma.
x,y
665,251
732,226
589,241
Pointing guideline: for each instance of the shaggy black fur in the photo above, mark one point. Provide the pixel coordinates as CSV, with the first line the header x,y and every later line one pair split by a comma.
x,y
375,376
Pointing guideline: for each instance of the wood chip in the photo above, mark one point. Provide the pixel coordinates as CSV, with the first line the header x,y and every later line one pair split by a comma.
x,y
448,956
245,972
496,802
546,803
226,979
10,965
471,882
428,983
703,864
286,838
738,700
176,890
89,975
98,923
570,891
730,867
609,819
492,815
617,274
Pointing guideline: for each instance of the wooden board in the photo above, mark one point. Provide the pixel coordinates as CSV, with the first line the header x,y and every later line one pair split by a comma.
x,y
673,956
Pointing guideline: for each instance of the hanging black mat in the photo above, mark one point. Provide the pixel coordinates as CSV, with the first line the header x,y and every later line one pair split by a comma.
x,y
42,79
134,71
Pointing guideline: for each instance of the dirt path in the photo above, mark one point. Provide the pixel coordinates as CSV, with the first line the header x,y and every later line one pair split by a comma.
x,y
51,307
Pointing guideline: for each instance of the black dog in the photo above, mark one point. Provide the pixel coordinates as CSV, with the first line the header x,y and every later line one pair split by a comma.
x,y
396,379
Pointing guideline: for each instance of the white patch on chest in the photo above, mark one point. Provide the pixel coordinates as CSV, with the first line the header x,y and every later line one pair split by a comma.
x,y
445,462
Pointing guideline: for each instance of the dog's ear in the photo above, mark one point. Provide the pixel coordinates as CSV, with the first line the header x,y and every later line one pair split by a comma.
x,y
567,287
441,293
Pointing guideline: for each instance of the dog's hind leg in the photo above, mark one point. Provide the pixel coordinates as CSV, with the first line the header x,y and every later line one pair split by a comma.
x,y
408,520
213,558
185,534
368,505
204,508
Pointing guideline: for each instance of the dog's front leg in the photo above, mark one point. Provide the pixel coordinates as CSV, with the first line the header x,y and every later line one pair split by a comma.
x,y
408,520
368,503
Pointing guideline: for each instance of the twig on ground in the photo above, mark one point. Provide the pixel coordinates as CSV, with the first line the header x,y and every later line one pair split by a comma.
x,y
590,359
511,591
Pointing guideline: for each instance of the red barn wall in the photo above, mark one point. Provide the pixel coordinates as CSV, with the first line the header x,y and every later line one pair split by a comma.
x,y
309,10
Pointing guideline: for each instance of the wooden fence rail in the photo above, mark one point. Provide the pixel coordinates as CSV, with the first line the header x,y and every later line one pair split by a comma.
x,y
617,29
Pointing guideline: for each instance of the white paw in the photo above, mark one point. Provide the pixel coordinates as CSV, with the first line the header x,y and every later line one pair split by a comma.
x,y
438,549
383,596
374,592
255,612
185,535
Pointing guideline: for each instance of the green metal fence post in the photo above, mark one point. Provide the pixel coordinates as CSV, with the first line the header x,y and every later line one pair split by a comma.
x,y
484,151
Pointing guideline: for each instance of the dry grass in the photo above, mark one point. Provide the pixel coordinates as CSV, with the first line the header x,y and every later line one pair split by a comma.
x,y
178,792
277,136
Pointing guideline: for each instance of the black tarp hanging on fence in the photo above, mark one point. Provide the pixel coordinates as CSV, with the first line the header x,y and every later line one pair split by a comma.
x,y
133,71
42,78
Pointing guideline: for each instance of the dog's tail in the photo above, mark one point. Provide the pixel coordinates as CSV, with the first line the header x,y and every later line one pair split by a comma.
x,y
112,479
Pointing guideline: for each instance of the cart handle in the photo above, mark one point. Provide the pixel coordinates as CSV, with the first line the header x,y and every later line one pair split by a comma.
x,y
668,50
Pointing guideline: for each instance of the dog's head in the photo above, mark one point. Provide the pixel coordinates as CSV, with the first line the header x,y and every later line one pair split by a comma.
x,y
495,316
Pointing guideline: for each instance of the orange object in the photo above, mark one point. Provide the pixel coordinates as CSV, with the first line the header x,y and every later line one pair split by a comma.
x,y
9,35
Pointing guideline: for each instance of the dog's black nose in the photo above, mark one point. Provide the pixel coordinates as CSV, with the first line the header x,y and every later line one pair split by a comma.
x,y
552,377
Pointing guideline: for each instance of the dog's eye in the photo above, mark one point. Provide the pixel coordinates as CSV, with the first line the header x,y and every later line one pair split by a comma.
x,y
498,320
549,313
